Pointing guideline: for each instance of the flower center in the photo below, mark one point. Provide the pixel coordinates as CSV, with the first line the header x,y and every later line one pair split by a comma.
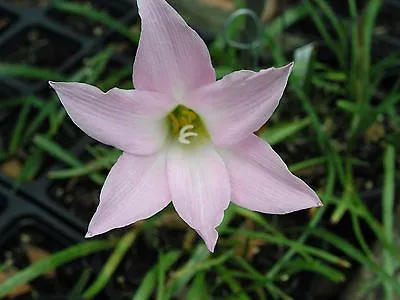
x,y
185,125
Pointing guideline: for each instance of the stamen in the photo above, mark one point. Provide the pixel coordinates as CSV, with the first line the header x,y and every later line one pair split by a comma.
x,y
183,121
183,135
175,123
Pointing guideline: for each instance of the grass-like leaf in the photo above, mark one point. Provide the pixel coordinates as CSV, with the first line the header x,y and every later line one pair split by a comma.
x,y
63,155
281,132
147,285
27,71
98,16
388,211
111,265
51,262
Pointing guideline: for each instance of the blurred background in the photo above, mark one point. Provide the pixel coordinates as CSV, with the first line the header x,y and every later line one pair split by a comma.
x,y
337,127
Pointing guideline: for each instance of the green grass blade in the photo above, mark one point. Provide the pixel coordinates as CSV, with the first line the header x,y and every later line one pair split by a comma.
x,y
237,290
379,68
289,17
360,72
115,78
330,186
314,266
277,134
360,236
198,289
390,100
299,247
307,164
303,58
360,209
38,120
161,278
310,110
111,265
58,152
369,18
357,255
19,127
333,18
352,8
388,211
98,16
147,286
348,106
257,218
55,150
200,254
31,167
26,71
52,262
96,165
269,284
35,102
77,291
324,32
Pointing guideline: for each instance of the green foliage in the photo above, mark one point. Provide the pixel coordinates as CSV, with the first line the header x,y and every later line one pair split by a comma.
x,y
335,105
51,262
111,265
98,16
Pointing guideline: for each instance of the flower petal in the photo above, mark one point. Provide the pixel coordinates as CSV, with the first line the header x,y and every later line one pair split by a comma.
x,y
240,103
135,189
200,189
133,121
171,56
261,181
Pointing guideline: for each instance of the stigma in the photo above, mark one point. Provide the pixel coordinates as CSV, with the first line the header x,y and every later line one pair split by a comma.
x,y
184,134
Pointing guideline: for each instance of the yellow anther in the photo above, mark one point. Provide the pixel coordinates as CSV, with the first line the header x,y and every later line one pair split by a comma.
x,y
192,116
183,121
175,123
184,111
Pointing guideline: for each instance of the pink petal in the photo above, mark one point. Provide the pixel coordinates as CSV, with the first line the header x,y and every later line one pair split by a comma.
x,y
200,189
135,189
171,57
261,181
240,103
133,121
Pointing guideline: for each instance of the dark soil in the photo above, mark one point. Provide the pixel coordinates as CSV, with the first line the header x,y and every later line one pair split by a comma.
x,y
29,3
83,25
80,196
39,47
6,19
33,241
3,203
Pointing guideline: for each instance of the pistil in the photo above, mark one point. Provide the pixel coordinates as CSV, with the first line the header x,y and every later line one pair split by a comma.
x,y
186,126
184,134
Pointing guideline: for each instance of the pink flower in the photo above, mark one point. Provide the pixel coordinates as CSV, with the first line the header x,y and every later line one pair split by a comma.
x,y
184,135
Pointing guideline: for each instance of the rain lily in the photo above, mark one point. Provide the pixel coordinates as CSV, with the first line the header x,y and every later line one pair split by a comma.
x,y
185,137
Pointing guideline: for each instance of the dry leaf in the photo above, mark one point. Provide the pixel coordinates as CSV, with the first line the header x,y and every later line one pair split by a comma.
x,y
254,248
312,211
12,168
227,5
375,132
189,239
36,254
270,10
19,290
171,220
